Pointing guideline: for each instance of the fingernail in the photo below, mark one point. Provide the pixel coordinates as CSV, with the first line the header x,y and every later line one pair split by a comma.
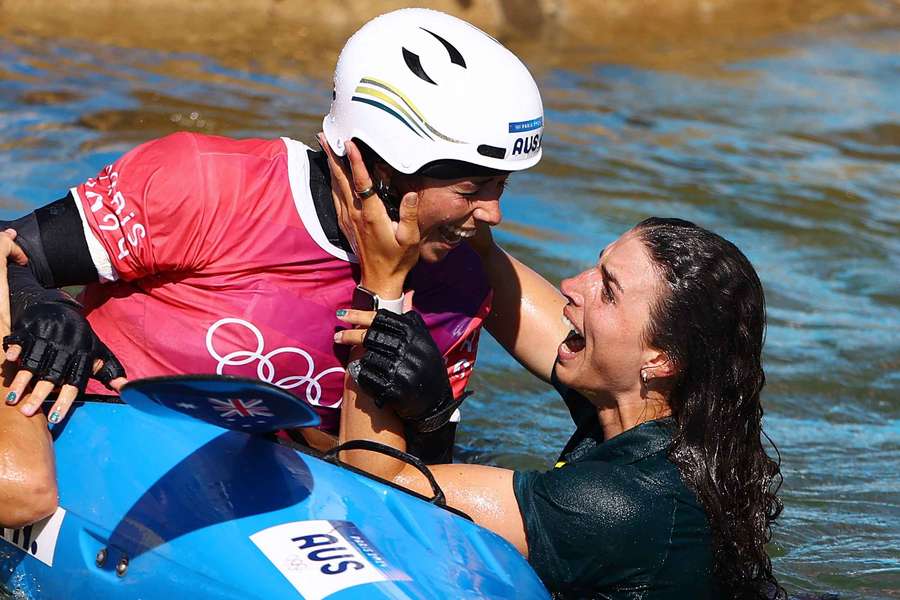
x,y
338,336
11,398
354,368
341,312
54,417
412,199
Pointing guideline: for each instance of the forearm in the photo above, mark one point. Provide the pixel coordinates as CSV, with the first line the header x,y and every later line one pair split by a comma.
x,y
28,490
526,312
361,419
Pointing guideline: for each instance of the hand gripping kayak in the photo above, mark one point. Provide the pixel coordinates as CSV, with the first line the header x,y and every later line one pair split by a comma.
x,y
234,403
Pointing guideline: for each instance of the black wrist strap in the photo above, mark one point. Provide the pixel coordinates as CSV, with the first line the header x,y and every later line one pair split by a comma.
x,y
438,419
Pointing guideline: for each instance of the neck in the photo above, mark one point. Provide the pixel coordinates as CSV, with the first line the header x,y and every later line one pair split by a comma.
x,y
624,412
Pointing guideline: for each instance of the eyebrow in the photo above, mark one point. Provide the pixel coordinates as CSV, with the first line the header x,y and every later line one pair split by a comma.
x,y
467,183
607,276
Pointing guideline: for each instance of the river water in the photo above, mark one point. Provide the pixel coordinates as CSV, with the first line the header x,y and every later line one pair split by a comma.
x,y
786,140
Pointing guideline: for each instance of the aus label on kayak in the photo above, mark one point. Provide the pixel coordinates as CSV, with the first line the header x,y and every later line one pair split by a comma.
x,y
37,539
320,558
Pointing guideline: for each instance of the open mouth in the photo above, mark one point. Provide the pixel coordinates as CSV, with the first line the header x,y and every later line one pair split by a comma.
x,y
574,342
451,234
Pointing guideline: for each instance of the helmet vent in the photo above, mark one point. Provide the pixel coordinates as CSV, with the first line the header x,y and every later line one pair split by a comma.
x,y
415,65
455,56
491,151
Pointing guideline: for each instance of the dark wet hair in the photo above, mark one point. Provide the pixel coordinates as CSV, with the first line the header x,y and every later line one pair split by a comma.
x,y
710,320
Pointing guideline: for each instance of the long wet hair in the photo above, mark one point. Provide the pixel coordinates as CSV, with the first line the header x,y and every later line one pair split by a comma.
x,y
710,320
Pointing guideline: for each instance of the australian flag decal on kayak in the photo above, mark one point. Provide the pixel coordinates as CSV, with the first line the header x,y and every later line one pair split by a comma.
x,y
236,408
247,405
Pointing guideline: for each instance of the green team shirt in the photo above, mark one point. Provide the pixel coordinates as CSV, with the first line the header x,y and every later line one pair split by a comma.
x,y
614,519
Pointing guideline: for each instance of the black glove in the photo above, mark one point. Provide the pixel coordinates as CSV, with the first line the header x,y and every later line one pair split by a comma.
x,y
59,346
404,368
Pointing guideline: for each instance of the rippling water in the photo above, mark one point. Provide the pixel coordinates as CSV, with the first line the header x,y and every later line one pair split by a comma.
x,y
786,142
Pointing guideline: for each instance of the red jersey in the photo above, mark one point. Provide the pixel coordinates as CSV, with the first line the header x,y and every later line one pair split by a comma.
x,y
212,259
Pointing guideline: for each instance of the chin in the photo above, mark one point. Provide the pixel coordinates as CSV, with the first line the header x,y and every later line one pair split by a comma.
x,y
570,374
564,375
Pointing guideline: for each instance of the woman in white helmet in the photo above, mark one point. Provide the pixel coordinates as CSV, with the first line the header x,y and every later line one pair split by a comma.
x,y
204,254
431,96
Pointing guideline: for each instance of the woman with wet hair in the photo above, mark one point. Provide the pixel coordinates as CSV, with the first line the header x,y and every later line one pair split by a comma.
x,y
665,489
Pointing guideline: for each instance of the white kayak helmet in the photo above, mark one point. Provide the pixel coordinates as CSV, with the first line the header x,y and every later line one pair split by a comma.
x,y
421,87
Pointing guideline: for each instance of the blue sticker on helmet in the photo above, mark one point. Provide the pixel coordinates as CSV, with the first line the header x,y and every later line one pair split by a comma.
x,y
520,126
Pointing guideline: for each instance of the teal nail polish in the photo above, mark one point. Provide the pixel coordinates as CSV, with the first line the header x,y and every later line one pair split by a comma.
x,y
341,312
11,398
54,417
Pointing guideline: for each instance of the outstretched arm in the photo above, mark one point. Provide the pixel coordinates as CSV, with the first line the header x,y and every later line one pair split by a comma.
x,y
484,493
526,316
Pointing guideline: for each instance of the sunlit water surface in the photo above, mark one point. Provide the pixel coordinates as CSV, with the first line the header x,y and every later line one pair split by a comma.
x,y
790,150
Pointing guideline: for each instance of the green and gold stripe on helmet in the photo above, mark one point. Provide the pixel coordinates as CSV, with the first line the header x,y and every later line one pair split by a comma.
x,y
394,105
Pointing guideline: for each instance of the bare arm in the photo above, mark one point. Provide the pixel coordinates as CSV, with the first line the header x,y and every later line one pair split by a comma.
x,y
526,316
27,469
362,420
484,493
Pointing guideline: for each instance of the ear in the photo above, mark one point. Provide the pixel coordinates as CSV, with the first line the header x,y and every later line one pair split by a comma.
x,y
658,364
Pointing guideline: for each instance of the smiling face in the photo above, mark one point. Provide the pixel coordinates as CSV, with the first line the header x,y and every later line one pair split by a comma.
x,y
450,209
609,311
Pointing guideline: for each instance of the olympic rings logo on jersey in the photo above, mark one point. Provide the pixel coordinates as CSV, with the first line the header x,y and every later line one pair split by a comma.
x,y
265,368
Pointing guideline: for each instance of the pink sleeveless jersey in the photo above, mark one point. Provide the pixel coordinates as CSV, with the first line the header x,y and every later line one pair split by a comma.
x,y
212,260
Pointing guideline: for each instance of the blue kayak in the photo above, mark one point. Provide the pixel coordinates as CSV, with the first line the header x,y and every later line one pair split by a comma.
x,y
155,507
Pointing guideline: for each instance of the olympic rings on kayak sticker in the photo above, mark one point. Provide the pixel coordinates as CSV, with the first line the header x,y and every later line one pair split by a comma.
x,y
320,558
38,539
265,368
